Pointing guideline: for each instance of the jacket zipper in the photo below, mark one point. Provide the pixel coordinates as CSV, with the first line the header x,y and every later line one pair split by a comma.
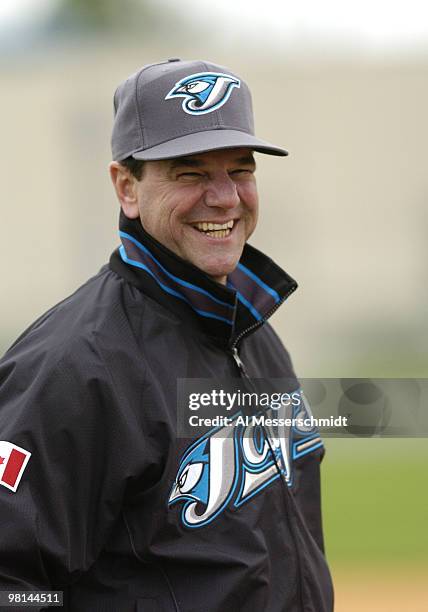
x,y
242,369
286,493
263,319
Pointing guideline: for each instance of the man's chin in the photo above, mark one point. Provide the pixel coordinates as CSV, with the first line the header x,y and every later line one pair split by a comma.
x,y
218,271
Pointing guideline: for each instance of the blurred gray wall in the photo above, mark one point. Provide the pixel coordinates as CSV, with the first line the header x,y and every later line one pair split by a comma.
x,y
345,214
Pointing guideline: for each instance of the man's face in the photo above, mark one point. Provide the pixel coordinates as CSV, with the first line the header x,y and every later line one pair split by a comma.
x,y
202,207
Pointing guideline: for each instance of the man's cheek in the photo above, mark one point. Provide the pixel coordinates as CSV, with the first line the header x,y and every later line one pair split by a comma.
x,y
250,201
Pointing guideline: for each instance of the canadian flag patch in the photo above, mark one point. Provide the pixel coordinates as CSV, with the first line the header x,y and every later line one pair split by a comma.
x,y
13,460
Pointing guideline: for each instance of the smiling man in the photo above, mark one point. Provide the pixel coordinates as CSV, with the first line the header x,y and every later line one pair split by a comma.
x,y
101,498
203,208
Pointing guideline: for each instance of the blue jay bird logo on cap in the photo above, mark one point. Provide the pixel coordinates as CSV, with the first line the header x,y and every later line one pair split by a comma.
x,y
204,92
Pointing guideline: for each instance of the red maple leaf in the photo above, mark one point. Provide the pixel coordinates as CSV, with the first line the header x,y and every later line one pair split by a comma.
x,y
1,459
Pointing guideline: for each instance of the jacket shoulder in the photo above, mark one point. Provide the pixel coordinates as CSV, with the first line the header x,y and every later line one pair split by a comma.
x,y
71,325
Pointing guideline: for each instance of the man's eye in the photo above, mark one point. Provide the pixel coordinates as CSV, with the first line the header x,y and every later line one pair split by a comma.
x,y
242,171
189,175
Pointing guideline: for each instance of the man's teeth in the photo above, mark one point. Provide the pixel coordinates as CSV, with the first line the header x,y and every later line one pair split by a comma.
x,y
215,230
218,233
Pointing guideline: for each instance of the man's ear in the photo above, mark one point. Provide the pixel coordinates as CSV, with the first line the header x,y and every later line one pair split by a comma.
x,y
125,186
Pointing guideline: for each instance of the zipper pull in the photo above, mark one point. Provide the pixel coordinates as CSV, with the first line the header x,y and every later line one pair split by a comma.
x,y
239,362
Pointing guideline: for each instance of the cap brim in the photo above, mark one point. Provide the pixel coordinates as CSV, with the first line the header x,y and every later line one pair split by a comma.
x,y
209,140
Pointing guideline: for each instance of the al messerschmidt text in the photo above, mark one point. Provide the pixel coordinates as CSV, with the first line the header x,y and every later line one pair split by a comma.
x,y
263,420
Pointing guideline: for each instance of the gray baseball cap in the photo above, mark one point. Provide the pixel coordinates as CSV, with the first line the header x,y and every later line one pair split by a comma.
x,y
177,108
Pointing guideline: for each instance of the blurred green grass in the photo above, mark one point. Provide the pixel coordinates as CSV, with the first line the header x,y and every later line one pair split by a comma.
x,y
375,501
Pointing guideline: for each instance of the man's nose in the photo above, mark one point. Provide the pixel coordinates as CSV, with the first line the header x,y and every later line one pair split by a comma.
x,y
222,192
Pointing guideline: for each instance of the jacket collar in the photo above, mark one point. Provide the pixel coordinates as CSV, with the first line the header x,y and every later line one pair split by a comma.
x,y
254,290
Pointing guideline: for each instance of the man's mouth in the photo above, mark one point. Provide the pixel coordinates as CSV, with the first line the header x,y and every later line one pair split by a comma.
x,y
215,230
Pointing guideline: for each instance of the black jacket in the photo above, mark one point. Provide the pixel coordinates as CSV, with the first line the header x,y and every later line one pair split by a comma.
x,y
113,508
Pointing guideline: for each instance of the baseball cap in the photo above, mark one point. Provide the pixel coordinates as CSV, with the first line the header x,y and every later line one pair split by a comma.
x,y
175,108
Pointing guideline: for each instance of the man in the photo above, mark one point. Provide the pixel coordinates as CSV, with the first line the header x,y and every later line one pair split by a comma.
x,y
102,499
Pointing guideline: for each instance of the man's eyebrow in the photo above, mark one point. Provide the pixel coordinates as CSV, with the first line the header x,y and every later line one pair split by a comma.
x,y
246,159
191,162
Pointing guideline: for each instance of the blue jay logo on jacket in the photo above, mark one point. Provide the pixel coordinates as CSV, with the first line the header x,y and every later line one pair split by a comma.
x,y
204,92
230,465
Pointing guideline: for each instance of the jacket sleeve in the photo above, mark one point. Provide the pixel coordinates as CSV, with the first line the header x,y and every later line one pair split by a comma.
x,y
65,413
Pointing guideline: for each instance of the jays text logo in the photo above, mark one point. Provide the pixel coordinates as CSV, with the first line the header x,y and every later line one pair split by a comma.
x,y
204,92
228,466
